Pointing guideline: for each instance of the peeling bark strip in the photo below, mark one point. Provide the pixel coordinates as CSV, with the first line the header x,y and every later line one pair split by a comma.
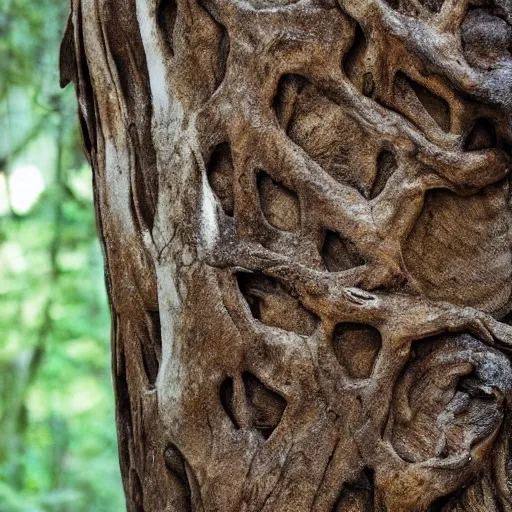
x,y
306,216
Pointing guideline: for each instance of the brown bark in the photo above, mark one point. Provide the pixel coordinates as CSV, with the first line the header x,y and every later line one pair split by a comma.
x,y
306,216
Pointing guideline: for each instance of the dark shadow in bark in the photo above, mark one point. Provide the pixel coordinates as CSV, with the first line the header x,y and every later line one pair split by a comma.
x,y
288,90
436,107
338,255
123,415
353,63
223,55
226,399
280,205
272,305
267,407
151,346
357,496
220,177
176,466
136,491
222,43
393,3
443,503
166,19
481,136
386,166
257,408
356,347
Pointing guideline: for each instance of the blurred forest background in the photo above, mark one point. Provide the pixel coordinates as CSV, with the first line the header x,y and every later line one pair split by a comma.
x,y
58,449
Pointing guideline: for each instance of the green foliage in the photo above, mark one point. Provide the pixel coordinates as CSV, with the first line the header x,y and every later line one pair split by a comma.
x,y
58,449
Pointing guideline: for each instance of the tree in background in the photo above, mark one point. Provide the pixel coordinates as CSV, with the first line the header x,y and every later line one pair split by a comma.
x,y
57,443
306,217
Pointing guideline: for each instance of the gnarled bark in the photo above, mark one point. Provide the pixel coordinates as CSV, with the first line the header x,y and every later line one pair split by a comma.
x,y
305,210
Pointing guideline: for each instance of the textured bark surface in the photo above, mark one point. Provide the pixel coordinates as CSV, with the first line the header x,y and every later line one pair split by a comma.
x,y
306,214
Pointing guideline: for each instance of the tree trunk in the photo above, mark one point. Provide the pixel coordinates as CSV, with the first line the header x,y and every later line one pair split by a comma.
x,y
306,217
